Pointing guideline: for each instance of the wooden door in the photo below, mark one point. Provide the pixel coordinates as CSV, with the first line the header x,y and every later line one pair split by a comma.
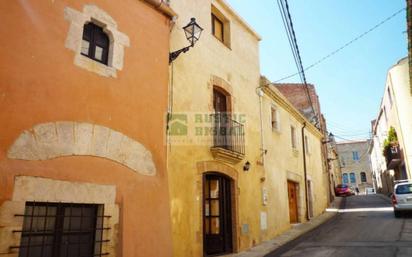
x,y
217,215
293,202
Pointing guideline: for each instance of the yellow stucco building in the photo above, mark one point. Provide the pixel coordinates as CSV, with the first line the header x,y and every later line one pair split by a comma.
x,y
228,171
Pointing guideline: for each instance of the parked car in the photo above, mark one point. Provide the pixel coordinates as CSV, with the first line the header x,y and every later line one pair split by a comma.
x,y
343,190
370,191
402,198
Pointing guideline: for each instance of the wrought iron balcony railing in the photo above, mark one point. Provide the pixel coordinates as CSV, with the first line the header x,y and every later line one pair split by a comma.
x,y
393,156
228,133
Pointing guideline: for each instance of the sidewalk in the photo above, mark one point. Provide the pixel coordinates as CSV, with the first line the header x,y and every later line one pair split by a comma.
x,y
293,233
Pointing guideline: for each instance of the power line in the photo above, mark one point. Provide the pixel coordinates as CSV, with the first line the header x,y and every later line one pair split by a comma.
x,y
288,24
344,46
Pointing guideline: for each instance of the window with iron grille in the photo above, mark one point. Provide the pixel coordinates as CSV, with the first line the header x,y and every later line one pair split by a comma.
x,y
62,230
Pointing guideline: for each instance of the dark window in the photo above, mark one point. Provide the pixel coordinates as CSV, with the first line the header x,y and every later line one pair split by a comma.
x,y
62,230
95,44
217,28
352,177
345,178
404,189
363,176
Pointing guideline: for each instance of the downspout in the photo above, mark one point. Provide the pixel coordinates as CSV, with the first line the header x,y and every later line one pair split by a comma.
x,y
262,142
305,171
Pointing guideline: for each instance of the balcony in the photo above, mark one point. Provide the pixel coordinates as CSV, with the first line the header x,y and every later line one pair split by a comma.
x,y
229,140
393,157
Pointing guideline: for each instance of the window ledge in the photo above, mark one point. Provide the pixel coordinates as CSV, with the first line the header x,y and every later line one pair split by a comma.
x,y
94,66
221,42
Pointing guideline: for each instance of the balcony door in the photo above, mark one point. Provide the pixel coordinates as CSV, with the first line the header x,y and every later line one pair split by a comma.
x,y
222,119
219,101
217,214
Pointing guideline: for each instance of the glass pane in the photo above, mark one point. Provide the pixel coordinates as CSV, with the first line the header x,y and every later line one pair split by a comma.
x,y
215,207
85,47
218,29
352,178
98,53
207,226
207,188
215,228
207,208
214,188
79,219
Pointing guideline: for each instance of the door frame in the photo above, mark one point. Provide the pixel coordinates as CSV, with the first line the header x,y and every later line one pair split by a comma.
x,y
204,167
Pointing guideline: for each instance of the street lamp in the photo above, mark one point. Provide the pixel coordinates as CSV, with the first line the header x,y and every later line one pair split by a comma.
x,y
192,33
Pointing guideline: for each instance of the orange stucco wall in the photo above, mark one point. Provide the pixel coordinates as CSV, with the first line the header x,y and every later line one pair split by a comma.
x,y
39,83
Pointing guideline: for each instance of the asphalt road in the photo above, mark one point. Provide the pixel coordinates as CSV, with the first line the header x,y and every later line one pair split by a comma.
x,y
365,227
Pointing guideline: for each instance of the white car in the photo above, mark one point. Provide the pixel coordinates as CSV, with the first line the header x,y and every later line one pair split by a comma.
x,y
402,198
369,191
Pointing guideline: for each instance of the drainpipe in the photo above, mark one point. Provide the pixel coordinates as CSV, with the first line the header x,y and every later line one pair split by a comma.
x,y
305,171
262,141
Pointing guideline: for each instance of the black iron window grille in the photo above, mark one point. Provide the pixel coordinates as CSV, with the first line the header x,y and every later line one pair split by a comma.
x,y
62,230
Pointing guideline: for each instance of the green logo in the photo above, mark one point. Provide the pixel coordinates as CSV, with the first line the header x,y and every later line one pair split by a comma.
x,y
178,125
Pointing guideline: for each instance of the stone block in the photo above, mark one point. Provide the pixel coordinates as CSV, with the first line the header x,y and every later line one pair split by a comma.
x,y
24,148
83,138
65,135
114,144
46,139
99,141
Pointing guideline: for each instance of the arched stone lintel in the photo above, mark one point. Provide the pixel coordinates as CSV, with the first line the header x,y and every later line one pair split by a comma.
x,y
66,138
209,166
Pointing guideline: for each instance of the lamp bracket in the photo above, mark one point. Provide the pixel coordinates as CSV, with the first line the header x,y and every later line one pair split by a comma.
x,y
175,54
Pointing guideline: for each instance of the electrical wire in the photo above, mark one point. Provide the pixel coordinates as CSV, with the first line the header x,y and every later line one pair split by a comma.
x,y
288,24
344,46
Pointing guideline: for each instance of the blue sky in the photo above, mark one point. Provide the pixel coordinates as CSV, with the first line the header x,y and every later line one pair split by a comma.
x,y
349,84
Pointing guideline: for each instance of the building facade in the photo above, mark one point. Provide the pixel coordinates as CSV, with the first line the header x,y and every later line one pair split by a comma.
x,y
355,164
306,100
391,152
83,165
229,191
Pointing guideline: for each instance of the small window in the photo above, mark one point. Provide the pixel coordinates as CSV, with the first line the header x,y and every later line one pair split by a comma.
x,y
352,177
345,178
220,26
363,176
95,44
58,229
293,136
355,155
217,28
275,118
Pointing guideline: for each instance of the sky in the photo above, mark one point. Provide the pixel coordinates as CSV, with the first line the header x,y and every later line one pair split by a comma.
x,y
350,84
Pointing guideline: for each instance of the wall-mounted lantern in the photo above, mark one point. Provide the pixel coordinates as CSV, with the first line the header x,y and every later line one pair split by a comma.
x,y
192,32
246,167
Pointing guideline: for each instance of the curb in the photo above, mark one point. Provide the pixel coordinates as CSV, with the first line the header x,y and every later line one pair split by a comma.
x,y
293,233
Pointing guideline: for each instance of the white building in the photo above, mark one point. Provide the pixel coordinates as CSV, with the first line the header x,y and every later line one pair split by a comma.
x,y
394,114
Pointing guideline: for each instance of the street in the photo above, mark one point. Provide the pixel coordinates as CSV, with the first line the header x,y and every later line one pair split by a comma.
x,y
365,226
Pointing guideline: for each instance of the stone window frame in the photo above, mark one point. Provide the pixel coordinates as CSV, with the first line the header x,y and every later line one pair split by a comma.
x,y
38,189
118,40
